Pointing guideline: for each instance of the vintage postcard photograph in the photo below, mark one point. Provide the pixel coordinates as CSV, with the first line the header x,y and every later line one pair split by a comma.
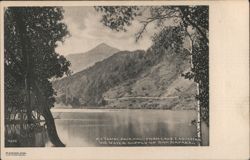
x,y
106,75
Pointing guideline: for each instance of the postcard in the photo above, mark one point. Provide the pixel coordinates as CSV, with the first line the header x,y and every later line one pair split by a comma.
x,y
124,80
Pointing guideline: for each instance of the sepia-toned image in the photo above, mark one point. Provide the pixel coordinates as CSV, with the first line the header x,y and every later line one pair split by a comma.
x,y
106,76
124,80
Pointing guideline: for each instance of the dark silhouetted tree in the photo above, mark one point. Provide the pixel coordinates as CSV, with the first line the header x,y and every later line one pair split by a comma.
x,y
30,61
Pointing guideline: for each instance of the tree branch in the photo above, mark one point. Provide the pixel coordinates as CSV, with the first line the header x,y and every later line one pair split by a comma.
x,y
185,17
149,20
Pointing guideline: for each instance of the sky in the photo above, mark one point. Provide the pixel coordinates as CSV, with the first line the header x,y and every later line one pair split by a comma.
x,y
87,32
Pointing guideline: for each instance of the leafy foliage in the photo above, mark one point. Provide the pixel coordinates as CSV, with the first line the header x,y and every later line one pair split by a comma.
x,y
169,37
201,76
197,14
116,17
43,30
30,60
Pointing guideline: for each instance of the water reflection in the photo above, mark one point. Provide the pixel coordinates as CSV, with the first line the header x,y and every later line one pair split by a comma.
x,y
82,129
88,128
25,135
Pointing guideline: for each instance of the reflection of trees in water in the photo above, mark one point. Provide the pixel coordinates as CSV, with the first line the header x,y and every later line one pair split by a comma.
x,y
21,133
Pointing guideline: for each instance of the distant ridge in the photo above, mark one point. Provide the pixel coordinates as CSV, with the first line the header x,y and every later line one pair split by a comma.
x,y
81,61
131,79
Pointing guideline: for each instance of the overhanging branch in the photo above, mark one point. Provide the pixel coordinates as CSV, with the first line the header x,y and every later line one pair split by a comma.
x,y
185,17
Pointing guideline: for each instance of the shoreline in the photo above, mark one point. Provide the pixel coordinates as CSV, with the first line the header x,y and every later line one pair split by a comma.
x,y
55,110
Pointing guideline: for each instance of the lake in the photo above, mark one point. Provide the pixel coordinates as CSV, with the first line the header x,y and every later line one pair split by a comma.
x,y
124,127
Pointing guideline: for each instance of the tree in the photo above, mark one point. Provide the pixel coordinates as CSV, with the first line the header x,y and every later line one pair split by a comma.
x,y
188,22
30,60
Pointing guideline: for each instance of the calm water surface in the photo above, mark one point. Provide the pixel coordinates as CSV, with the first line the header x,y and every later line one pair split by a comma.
x,y
103,127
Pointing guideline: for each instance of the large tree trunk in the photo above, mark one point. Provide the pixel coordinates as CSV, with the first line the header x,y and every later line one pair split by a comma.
x,y
49,119
51,128
198,108
198,127
42,102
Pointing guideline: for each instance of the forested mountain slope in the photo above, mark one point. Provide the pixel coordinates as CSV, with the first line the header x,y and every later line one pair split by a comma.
x,y
135,79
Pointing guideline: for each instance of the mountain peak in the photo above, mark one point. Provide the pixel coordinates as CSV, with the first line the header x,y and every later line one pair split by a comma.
x,y
103,45
84,60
